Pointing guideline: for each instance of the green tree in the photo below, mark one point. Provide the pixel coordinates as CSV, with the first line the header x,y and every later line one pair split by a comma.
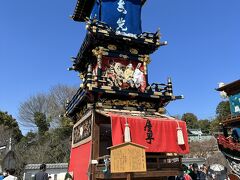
x,y
52,147
65,128
223,110
38,103
204,125
214,126
191,120
41,122
39,111
10,124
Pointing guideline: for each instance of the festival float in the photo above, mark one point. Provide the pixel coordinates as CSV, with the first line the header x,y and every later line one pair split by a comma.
x,y
120,128
229,140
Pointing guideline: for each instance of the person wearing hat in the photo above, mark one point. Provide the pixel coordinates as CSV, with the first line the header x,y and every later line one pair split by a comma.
x,y
196,174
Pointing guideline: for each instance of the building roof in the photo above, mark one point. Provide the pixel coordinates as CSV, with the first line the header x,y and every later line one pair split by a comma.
x,y
195,131
231,88
49,166
100,34
82,10
125,144
193,160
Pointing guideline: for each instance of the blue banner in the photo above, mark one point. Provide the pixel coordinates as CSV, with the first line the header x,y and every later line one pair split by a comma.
x,y
122,15
235,104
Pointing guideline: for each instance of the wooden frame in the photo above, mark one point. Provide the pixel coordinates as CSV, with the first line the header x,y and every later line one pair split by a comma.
x,y
80,135
159,165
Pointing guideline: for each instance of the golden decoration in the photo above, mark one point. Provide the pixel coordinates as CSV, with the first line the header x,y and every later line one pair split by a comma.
x,y
133,51
112,47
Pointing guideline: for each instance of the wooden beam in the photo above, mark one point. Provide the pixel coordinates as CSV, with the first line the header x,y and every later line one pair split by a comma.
x,y
149,174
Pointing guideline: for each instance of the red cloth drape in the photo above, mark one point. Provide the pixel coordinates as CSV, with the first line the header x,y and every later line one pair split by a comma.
x,y
80,160
164,133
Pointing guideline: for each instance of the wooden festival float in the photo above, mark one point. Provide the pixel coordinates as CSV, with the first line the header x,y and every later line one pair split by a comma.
x,y
121,131
229,141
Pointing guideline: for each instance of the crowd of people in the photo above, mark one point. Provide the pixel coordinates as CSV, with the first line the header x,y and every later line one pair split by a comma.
x,y
8,174
194,172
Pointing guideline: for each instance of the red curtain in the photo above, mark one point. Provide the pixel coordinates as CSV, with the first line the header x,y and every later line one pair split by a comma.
x,y
157,134
80,160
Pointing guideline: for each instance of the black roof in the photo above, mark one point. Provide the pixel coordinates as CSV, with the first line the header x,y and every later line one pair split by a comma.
x,y
231,88
83,9
101,34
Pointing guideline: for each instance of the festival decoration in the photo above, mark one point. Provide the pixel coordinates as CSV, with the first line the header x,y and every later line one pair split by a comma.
x,y
229,141
116,109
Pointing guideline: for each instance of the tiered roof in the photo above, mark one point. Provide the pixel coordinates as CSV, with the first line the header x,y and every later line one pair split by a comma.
x,y
101,34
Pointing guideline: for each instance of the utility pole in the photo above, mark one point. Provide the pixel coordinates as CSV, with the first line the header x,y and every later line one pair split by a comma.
x,y
10,144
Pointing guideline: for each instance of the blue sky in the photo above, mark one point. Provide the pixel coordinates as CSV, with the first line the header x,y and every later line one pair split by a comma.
x,y
38,37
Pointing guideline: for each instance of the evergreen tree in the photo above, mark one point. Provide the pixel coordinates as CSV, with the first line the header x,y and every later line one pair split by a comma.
x,y
191,120
8,123
223,110
204,125
41,122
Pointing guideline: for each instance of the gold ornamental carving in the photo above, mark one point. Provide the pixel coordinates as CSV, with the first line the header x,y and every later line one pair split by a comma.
x,y
133,51
112,47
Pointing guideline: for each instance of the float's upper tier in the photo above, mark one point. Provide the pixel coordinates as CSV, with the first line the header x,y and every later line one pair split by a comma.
x,y
121,15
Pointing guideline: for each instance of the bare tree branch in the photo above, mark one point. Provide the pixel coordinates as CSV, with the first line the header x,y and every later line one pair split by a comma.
x,y
51,104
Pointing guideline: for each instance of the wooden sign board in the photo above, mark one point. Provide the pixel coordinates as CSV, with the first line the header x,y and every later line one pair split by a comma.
x,y
128,157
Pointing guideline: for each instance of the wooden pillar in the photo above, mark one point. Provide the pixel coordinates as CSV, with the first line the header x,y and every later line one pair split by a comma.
x,y
129,176
146,61
95,144
98,52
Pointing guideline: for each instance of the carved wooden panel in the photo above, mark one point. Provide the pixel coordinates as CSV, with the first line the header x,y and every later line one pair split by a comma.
x,y
122,73
82,130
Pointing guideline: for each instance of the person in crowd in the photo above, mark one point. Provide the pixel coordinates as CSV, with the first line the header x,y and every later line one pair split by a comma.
x,y
190,168
236,134
187,177
184,175
204,170
5,173
11,176
196,174
42,175
1,176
